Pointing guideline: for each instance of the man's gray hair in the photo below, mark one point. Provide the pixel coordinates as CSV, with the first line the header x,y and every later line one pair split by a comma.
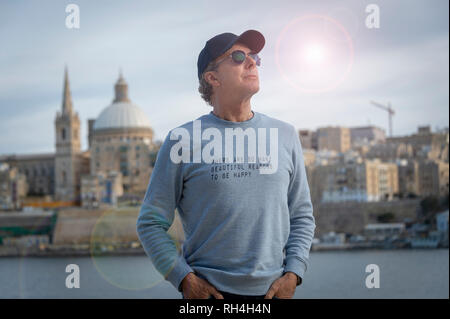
x,y
206,89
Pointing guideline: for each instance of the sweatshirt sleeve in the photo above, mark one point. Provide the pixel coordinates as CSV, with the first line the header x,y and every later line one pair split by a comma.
x,y
302,222
156,215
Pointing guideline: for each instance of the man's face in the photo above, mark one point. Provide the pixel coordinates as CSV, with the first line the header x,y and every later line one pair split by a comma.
x,y
237,79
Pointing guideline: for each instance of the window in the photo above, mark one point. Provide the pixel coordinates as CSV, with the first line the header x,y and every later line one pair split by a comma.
x,y
124,171
123,148
63,133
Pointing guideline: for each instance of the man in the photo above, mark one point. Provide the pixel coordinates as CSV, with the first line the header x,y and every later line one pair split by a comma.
x,y
247,217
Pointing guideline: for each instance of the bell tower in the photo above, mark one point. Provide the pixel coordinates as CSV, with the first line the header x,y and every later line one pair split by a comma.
x,y
68,148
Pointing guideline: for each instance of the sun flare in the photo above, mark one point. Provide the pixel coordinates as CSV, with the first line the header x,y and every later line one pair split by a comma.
x,y
314,54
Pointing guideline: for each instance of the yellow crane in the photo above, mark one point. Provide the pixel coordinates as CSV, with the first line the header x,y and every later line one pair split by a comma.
x,y
388,109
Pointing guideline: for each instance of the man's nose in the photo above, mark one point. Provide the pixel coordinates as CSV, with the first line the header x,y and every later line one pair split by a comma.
x,y
250,63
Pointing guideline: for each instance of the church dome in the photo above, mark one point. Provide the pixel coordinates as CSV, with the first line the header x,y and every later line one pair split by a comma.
x,y
122,113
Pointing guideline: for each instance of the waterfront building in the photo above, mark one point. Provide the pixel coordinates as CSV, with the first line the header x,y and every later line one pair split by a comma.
x,y
433,178
13,187
367,135
384,231
366,181
426,144
70,162
334,138
120,142
308,138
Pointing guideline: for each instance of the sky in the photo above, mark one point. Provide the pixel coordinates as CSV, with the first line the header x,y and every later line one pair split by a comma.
x,y
321,64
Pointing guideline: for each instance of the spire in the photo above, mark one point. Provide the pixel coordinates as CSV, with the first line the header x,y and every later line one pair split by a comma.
x,y
67,97
121,89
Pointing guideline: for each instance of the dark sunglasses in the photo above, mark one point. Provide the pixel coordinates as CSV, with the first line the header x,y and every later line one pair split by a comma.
x,y
239,57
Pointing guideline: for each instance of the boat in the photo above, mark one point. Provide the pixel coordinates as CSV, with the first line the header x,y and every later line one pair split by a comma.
x,y
428,242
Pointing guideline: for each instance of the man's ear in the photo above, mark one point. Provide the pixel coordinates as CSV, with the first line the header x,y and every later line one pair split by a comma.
x,y
211,78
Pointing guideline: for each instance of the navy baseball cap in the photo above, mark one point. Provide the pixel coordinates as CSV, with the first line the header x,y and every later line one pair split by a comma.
x,y
219,44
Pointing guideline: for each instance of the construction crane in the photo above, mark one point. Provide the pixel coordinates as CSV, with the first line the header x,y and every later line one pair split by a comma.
x,y
390,111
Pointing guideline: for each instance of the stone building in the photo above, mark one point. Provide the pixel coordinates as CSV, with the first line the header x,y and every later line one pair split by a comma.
x,y
423,177
38,169
390,152
102,188
122,141
13,187
366,181
70,163
367,135
308,139
433,178
334,139
120,148
426,144
408,177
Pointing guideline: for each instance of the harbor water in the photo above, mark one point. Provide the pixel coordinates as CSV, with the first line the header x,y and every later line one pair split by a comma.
x,y
408,273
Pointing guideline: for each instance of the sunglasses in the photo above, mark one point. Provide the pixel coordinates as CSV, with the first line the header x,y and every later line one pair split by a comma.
x,y
239,57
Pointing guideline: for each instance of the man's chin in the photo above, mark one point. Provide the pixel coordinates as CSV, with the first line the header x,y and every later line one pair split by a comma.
x,y
253,87
249,90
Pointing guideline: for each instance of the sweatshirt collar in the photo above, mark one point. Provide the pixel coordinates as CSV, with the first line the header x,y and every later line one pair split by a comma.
x,y
252,121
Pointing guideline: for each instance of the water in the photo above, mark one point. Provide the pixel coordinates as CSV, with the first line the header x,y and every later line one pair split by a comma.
x,y
403,274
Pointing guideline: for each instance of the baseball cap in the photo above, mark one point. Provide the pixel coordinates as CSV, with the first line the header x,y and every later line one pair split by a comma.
x,y
219,44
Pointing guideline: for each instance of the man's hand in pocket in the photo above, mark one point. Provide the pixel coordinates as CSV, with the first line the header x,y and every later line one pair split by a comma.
x,y
283,287
195,287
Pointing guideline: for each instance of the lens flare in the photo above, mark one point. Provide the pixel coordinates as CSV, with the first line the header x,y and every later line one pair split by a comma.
x,y
112,229
314,54
308,59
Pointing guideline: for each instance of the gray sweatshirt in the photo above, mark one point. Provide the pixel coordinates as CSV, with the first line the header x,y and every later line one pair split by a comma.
x,y
243,198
